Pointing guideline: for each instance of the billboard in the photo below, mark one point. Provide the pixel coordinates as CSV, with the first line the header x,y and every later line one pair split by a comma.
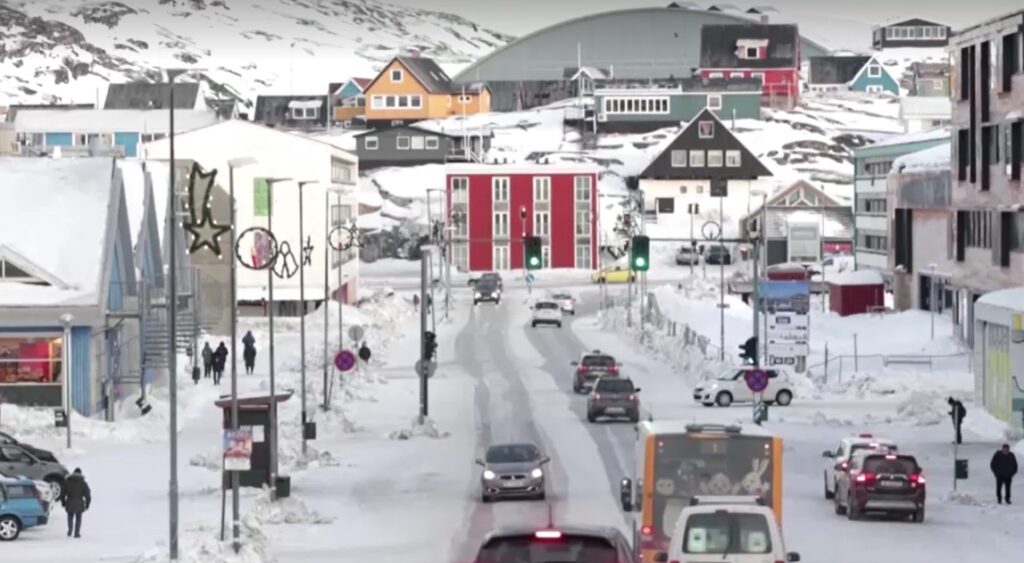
x,y
787,304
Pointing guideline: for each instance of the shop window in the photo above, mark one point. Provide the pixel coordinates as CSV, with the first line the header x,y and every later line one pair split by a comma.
x,y
35,359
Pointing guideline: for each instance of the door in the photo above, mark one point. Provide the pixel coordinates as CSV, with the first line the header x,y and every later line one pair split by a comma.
x,y
740,390
15,461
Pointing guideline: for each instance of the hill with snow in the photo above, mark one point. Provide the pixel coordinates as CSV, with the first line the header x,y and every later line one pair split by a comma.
x,y
69,50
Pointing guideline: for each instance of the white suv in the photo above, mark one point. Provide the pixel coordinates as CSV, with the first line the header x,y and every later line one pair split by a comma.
x,y
727,529
547,313
731,387
839,458
567,301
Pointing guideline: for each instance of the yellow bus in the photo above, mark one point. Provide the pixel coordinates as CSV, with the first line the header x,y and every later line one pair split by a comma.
x,y
675,461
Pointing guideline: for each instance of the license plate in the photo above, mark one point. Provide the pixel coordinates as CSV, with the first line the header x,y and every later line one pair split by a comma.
x,y
617,410
513,483
890,484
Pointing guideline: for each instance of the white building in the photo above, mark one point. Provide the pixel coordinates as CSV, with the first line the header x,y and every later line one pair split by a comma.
x,y
680,207
291,158
923,113
999,354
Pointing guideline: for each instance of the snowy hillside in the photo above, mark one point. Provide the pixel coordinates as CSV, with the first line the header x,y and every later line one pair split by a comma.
x,y
69,50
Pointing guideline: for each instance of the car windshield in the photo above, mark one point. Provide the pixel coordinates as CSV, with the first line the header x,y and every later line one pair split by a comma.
x,y
858,447
898,465
614,385
486,285
727,532
566,549
546,305
717,250
599,361
516,453
727,375
491,277
562,296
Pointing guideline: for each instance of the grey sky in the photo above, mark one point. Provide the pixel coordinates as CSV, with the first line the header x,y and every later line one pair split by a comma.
x,y
837,23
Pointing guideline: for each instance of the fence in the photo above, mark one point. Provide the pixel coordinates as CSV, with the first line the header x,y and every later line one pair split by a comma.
x,y
834,367
680,332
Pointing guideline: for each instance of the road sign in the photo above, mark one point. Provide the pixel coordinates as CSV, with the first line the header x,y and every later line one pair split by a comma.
x,y
530,278
757,380
238,449
425,368
356,332
344,360
711,230
364,353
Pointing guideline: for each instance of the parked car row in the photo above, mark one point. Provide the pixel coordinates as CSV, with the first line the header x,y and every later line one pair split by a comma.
x,y
865,474
31,480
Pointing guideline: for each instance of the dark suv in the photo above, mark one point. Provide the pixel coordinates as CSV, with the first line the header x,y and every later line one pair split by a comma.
x,y
614,396
592,366
576,544
487,290
881,481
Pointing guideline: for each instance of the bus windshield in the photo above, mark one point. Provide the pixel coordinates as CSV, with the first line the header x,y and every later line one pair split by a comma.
x,y
710,465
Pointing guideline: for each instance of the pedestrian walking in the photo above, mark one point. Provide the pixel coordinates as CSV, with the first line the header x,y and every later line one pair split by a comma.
x,y
207,360
416,303
220,357
249,352
76,499
957,412
1004,467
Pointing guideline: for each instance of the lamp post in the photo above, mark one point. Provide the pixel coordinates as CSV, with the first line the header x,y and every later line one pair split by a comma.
x,y
65,361
233,299
328,247
270,317
759,246
931,298
522,239
302,298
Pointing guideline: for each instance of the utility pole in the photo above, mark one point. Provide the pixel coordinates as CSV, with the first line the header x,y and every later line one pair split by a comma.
x,y
721,284
327,291
172,313
754,296
65,362
302,321
424,412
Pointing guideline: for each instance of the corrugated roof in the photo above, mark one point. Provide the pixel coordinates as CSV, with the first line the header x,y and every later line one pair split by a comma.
x,y
429,74
835,70
13,109
718,45
109,121
147,95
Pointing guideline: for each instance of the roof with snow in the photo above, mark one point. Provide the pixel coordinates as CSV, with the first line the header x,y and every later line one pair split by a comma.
x,y
147,95
1009,298
926,107
109,121
909,138
935,158
13,109
857,277
60,238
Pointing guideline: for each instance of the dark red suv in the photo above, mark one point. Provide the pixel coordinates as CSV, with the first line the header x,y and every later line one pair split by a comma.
x,y
571,544
880,481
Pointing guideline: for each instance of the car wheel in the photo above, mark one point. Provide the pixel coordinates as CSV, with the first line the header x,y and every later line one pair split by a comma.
x,y
533,324
919,515
784,398
723,399
56,486
851,509
559,325
829,495
709,405
10,528
591,417
577,388
485,499
840,509
634,417
542,496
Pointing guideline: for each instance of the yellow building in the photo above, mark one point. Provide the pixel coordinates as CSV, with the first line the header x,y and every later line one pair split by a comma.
x,y
412,89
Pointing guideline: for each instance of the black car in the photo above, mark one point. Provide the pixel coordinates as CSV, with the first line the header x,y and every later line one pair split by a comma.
x,y
717,254
881,481
590,367
614,396
487,290
556,544
43,455
492,276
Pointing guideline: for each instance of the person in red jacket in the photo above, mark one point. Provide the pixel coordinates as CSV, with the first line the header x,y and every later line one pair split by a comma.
x,y
1004,467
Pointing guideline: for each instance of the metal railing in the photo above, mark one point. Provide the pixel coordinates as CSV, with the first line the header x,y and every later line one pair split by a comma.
x,y
686,336
833,368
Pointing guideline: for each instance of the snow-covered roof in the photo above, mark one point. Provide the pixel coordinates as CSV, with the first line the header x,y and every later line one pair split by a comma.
x,y
109,120
935,158
1010,298
857,277
134,194
55,215
521,168
934,107
918,137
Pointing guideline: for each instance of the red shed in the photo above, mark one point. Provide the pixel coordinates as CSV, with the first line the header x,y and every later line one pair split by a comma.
x,y
856,292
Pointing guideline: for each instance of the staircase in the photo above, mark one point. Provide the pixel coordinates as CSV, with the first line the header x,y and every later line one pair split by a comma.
x,y
156,332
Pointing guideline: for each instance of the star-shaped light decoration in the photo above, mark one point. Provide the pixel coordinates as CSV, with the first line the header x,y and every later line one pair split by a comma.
x,y
205,230
307,252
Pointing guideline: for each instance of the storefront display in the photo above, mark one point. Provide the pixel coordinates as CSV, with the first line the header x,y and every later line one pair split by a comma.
x,y
30,359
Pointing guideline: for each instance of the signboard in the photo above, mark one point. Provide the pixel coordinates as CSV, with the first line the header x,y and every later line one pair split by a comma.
x,y
787,303
757,380
356,332
425,368
785,296
238,449
787,348
530,277
344,360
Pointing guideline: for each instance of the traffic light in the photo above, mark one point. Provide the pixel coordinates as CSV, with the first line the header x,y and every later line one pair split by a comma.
x,y
430,339
640,253
534,261
749,353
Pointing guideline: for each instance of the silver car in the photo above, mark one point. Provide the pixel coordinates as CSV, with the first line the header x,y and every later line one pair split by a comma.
x,y
512,471
15,460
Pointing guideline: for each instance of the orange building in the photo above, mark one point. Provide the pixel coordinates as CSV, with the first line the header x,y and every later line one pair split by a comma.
x,y
412,89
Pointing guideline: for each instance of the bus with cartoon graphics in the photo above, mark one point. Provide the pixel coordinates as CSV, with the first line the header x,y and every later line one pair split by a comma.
x,y
675,461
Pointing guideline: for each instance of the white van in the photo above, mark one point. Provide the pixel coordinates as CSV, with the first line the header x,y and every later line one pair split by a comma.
x,y
726,529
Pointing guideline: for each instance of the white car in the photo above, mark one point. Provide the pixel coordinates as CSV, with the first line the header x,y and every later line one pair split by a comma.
x,y
731,387
839,458
566,301
546,313
730,529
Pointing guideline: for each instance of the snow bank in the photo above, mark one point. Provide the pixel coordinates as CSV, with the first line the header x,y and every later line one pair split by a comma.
x,y
289,510
917,137
935,158
427,430
1010,298
206,547
857,277
989,428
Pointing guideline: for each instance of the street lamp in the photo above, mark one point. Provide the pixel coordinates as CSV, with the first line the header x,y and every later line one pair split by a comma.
x,y
302,298
65,362
761,238
233,299
339,190
270,322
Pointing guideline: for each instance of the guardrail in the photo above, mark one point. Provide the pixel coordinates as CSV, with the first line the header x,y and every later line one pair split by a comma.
x,y
835,366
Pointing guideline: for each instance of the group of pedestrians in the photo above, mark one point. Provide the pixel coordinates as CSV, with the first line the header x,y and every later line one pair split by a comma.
x,y
1004,462
214,361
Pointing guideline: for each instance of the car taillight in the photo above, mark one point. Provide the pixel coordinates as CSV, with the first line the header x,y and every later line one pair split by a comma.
x,y
844,466
647,531
916,479
613,369
632,397
582,368
548,534
597,396
865,478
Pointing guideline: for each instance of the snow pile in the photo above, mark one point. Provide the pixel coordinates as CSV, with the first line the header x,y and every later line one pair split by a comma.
x,y
289,510
935,158
428,429
961,498
207,547
857,277
981,423
923,408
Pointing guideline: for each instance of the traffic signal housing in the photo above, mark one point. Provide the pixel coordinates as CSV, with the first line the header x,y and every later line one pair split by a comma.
x,y
640,253
749,350
534,260
430,340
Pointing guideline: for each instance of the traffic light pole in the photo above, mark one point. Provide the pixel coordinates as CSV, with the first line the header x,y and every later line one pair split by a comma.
x,y
424,398
756,305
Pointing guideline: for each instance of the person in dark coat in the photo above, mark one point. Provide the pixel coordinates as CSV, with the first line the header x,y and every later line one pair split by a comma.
x,y
220,359
76,499
249,353
957,412
207,360
1004,467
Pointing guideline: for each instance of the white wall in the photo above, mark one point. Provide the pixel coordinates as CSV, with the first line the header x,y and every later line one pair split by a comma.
x,y
735,206
930,246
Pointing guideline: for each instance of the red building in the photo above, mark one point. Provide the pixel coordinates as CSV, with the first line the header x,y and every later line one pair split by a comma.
x,y
856,292
492,206
770,52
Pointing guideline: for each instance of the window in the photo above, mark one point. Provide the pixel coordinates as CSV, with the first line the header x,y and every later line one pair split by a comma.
x,y
871,206
942,33
758,75
30,359
714,159
874,71
417,143
733,159
735,75
545,256
501,224
371,143
396,75
714,101
682,190
341,171
665,205
583,188
583,223
706,129
402,143
750,53
415,101
340,214
727,533
978,231
715,75
390,101
874,89
697,159
541,224
501,257
260,197
583,257
678,159
1011,59
542,188
461,256
636,105
1017,232
461,226
403,101
460,190
432,143
873,243
499,186
464,99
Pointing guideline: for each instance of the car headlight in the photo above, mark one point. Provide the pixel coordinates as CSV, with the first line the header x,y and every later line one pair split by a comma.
x,y
537,473
478,295
489,475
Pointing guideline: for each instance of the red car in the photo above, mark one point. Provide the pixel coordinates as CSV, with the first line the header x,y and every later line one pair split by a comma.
x,y
881,481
